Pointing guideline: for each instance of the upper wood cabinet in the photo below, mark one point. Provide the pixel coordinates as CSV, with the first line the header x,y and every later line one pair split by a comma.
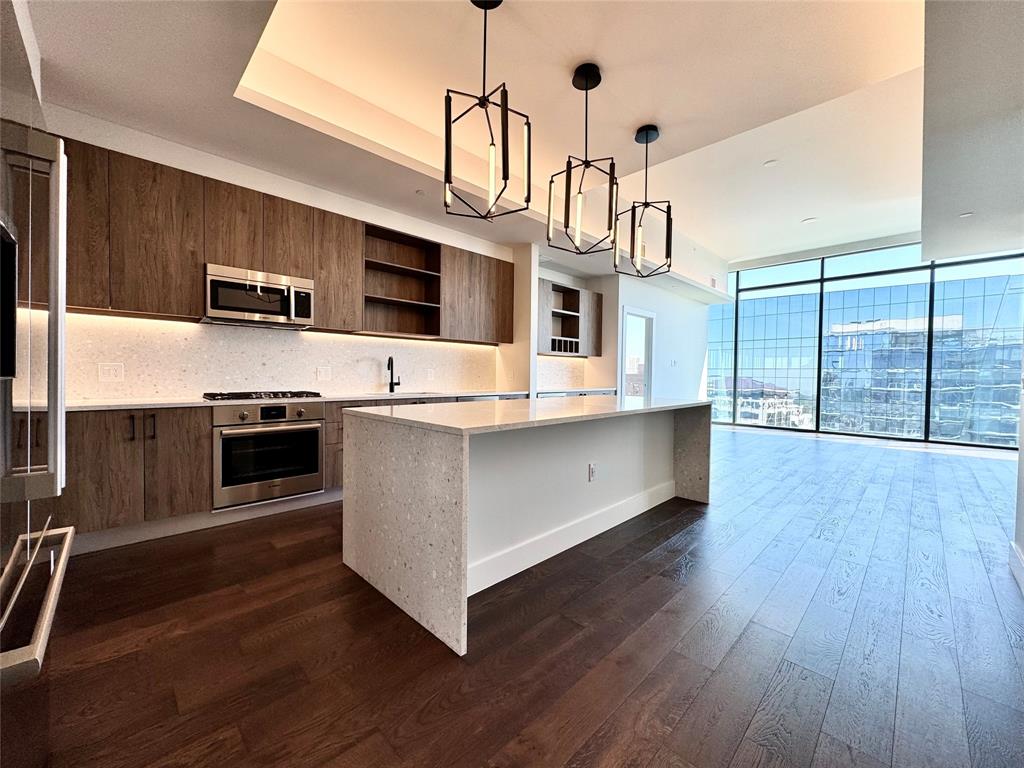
x,y
569,320
233,225
476,296
287,237
156,238
88,233
104,487
178,461
338,271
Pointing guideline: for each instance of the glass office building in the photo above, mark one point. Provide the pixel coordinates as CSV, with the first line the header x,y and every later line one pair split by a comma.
x,y
873,343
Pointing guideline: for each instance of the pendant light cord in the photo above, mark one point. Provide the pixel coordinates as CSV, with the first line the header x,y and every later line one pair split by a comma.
x,y
483,86
647,152
586,122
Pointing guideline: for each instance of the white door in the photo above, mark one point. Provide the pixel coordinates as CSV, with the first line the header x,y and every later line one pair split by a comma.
x,y
636,362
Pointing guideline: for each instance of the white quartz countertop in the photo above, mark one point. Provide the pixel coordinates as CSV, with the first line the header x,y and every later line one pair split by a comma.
x,y
499,415
196,401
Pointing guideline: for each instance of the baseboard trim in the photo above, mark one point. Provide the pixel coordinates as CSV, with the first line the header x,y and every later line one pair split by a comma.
x,y
497,567
172,526
1017,564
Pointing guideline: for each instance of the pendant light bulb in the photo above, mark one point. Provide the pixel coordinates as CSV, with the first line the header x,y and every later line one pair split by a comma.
x,y
492,181
639,255
578,237
551,209
448,195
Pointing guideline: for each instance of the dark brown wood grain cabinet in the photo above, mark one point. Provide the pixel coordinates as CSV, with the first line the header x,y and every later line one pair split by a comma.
x,y
178,465
88,227
591,314
156,238
338,271
476,296
233,225
105,486
287,237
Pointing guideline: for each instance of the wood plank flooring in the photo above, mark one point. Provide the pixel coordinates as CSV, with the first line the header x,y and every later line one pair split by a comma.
x,y
839,603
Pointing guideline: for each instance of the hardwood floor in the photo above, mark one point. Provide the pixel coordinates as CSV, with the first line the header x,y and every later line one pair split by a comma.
x,y
839,603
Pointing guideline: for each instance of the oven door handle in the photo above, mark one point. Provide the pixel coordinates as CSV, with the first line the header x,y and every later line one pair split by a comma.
x,y
270,428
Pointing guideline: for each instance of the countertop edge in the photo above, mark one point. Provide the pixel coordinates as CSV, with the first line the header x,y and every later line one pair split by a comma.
x,y
485,429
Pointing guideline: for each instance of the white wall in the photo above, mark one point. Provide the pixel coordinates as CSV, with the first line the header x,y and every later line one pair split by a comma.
x,y
515,364
680,336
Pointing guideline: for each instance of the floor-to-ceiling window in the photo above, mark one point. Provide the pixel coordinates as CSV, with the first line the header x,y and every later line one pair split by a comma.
x,y
873,343
976,354
721,349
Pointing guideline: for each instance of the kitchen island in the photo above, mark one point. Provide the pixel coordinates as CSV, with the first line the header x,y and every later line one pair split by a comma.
x,y
444,500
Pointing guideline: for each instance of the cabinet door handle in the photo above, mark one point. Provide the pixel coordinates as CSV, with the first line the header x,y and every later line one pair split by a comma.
x,y
20,442
36,439
152,423
131,421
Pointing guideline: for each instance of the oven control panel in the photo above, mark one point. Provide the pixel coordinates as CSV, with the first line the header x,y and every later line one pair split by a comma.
x,y
226,415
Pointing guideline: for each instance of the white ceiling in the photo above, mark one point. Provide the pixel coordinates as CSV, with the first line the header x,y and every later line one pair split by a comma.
x,y
707,72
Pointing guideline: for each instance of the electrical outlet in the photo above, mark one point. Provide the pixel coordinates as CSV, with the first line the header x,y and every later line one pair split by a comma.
x,y
430,374
591,472
323,373
111,371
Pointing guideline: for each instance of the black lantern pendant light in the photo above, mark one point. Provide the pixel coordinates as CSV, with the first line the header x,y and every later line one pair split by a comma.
x,y
586,78
635,215
489,102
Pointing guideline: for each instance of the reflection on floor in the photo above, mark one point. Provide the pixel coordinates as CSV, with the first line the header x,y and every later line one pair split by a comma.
x,y
841,602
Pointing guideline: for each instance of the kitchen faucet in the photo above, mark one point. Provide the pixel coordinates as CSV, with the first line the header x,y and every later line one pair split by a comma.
x,y
393,382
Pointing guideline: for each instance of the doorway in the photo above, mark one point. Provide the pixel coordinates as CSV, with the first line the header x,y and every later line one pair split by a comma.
x,y
636,364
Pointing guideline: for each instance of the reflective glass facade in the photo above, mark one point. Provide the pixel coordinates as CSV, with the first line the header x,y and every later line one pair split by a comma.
x,y
898,349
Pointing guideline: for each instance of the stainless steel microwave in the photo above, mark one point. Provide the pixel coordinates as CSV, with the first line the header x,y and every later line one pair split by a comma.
x,y
244,296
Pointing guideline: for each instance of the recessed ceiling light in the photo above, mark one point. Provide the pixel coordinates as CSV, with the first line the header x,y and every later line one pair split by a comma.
x,y
420,192
966,214
809,220
770,163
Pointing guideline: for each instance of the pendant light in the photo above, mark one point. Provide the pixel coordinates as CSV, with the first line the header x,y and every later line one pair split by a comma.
x,y
635,217
494,107
586,78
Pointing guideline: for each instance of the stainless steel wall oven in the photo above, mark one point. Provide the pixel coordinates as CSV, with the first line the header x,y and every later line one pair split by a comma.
x,y
263,452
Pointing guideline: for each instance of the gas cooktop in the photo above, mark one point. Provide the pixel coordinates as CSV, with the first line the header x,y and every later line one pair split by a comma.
x,y
279,395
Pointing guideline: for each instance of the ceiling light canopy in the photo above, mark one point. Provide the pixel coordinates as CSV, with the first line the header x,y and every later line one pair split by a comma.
x,y
635,216
569,236
483,106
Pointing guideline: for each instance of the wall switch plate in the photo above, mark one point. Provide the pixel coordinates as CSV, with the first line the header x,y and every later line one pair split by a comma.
x,y
591,472
111,371
430,374
323,373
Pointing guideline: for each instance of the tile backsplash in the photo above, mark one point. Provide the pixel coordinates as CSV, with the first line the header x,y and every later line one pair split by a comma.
x,y
168,359
559,372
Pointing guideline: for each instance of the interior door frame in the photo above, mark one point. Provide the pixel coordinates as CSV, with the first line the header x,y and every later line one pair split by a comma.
x,y
649,369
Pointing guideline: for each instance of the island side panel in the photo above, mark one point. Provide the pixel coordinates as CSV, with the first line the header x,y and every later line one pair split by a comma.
x,y
405,519
692,453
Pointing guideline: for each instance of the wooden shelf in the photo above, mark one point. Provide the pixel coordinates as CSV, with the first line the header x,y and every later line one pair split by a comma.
x,y
399,269
402,302
564,313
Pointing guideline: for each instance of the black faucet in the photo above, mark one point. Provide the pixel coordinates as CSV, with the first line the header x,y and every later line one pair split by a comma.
x,y
393,382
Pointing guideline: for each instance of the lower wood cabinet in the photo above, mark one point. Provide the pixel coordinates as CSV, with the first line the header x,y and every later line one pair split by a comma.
x,y
178,460
125,467
105,485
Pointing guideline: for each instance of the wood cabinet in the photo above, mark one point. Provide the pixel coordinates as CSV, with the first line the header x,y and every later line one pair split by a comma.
x,y
338,271
178,461
156,238
105,486
287,237
569,320
233,225
127,466
476,297
88,228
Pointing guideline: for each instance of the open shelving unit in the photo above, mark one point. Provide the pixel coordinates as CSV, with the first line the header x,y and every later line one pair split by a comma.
x,y
401,284
570,321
